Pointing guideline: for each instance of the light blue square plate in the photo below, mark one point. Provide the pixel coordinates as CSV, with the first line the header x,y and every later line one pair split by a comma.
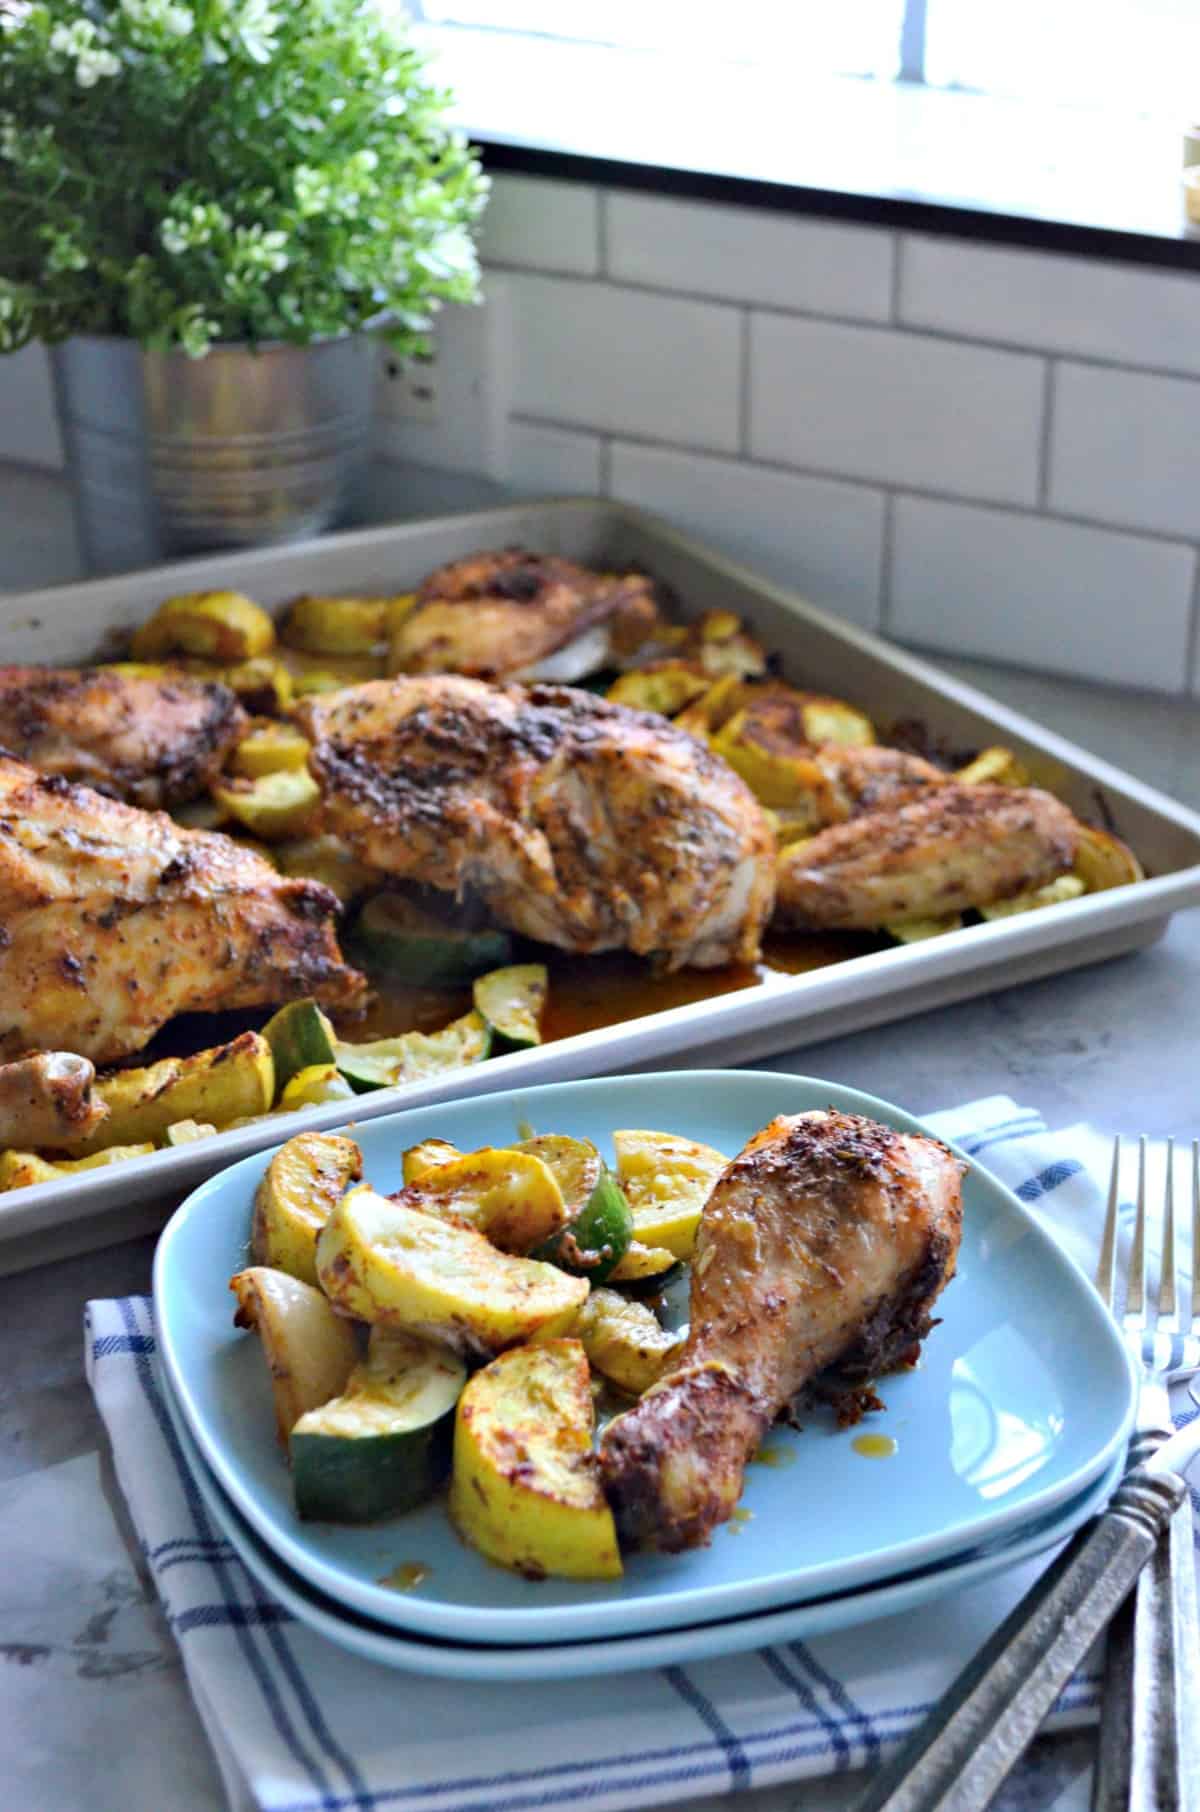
x,y
1024,1398
506,1662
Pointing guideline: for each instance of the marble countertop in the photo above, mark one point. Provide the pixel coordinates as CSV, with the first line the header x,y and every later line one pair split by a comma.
x,y
94,1709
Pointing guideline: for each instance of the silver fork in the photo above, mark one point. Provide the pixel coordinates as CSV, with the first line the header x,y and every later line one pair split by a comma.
x,y
1149,1756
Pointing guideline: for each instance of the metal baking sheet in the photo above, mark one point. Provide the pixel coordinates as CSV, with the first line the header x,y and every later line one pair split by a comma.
x,y
74,624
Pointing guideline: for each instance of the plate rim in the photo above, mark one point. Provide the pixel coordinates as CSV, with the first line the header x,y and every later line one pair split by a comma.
x,y
514,1625
686,1643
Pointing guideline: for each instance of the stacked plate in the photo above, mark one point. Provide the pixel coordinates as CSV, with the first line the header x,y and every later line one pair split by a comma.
x,y
1008,1435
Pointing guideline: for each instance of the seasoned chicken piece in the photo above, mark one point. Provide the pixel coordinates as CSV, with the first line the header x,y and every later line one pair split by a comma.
x,y
48,1100
152,741
825,1243
517,615
869,779
958,846
113,920
578,822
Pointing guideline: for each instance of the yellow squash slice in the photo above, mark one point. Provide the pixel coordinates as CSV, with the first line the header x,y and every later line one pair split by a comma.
x,y
387,1263
276,805
1103,861
525,1489
229,1082
665,687
511,1196
310,1352
269,746
667,1180
211,625
1054,893
301,1186
638,1262
624,1341
430,1154
19,1169
336,625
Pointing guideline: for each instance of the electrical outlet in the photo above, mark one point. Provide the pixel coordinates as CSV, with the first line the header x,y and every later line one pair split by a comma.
x,y
451,410
412,388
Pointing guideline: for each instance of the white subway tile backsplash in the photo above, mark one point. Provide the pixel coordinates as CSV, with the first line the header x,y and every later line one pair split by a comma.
x,y
1039,593
749,255
822,538
896,407
553,462
1072,305
542,225
1123,448
593,355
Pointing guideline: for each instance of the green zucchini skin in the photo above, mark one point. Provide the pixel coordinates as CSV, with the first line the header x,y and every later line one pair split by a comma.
x,y
511,1000
396,1462
596,1240
394,937
299,1036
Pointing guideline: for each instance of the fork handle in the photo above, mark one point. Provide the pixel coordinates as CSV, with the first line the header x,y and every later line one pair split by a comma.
x,y
1149,1750
966,1748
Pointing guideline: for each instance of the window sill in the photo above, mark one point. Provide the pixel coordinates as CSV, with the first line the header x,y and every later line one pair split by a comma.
x,y
1018,173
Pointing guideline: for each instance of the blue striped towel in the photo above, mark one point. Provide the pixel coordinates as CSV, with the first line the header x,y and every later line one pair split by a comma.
x,y
299,1725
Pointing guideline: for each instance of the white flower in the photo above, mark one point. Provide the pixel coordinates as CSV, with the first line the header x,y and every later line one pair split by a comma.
x,y
159,16
14,14
314,191
93,64
71,40
193,227
64,254
257,250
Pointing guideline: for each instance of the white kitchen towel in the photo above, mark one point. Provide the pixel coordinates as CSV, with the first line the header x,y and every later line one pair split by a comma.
x,y
299,1725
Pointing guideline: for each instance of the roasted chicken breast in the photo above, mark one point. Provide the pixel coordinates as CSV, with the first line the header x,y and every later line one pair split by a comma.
x,y
955,847
112,920
577,822
825,1243
517,615
149,740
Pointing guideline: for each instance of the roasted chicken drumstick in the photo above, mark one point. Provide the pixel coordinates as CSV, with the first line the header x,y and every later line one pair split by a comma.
x,y
578,822
149,740
113,920
955,846
825,1243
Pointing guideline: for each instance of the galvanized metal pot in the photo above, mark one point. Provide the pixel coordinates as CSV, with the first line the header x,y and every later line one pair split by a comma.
x,y
245,447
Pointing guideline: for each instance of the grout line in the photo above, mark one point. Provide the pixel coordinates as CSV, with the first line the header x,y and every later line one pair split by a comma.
x,y
744,384
856,481
866,323
898,240
1045,439
887,553
602,232
1191,675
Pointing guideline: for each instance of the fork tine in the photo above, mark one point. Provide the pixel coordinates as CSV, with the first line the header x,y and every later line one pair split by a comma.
x,y
1135,1300
1105,1274
1196,1236
1170,1254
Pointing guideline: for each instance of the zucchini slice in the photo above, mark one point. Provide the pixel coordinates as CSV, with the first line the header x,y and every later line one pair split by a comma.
x,y
511,1000
301,1187
299,1036
384,1445
396,937
313,1086
667,1180
414,1055
310,1352
598,1238
510,1196
386,1263
526,1489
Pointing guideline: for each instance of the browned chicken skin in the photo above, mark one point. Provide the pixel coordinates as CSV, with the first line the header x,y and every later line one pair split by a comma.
x,y
578,822
112,920
958,846
149,741
826,1242
503,615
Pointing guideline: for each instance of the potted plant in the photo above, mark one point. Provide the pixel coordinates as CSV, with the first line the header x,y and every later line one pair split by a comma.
x,y
205,207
